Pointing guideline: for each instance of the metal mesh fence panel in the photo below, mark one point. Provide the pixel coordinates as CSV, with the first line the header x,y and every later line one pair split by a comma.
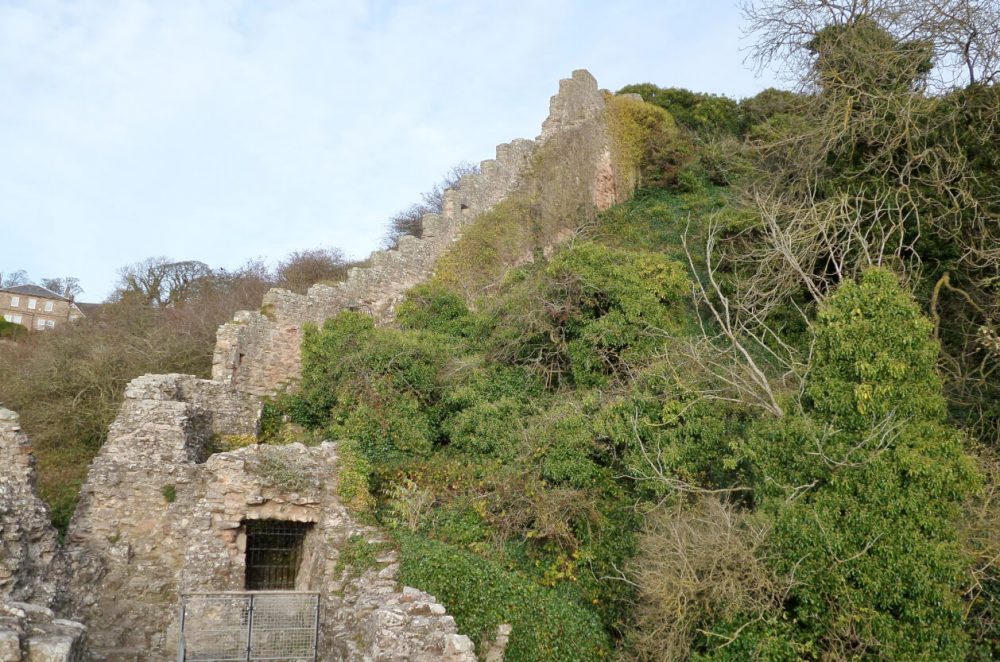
x,y
223,627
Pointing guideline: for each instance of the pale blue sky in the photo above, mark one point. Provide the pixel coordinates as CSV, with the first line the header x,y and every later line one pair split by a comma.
x,y
220,130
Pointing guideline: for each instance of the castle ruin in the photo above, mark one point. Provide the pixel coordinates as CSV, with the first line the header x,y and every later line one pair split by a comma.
x,y
163,514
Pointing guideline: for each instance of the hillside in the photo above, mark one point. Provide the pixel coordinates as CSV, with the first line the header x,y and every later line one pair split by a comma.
x,y
749,413
687,377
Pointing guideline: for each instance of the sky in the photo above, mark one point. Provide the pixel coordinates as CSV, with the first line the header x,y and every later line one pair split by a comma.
x,y
225,130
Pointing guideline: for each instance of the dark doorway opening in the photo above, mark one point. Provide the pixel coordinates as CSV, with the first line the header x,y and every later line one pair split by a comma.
x,y
274,552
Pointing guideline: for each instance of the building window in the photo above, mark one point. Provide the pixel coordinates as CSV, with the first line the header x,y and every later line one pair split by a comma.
x,y
15,302
39,323
50,324
32,303
48,306
8,318
274,551
16,319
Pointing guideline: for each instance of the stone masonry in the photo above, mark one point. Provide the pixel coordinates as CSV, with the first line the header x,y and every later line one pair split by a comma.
x,y
258,352
161,514
32,633
27,539
158,518
29,630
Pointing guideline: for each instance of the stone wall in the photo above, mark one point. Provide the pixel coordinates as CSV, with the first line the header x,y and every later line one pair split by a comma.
x,y
32,633
156,518
160,515
27,539
258,351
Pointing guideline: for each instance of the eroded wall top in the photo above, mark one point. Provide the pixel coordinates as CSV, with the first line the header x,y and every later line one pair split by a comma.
x,y
258,351
27,539
158,518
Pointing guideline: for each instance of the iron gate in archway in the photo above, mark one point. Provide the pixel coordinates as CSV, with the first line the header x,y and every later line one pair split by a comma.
x,y
248,626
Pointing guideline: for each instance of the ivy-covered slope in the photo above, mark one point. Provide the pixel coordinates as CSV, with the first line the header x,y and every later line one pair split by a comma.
x,y
614,449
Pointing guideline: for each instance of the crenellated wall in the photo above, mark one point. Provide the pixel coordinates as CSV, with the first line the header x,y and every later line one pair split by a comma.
x,y
258,351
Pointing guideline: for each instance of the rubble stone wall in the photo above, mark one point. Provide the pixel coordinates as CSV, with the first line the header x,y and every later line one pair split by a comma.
x,y
258,351
27,540
32,633
157,519
160,515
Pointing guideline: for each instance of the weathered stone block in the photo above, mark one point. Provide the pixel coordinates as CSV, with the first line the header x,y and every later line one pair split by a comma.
x,y
50,648
10,646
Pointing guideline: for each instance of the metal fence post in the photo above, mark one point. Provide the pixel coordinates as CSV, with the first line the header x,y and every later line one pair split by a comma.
x,y
316,632
250,629
180,644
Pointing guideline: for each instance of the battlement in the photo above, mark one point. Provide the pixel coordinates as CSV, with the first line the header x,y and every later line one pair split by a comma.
x,y
258,352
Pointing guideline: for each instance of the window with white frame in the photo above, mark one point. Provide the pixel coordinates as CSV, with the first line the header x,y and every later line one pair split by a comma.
x,y
15,302
32,303
9,318
50,324
16,319
39,323
48,306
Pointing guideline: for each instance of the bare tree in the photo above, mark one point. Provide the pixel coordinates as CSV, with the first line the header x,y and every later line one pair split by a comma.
x,y
698,565
962,33
880,160
410,221
161,282
302,269
19,277
67,287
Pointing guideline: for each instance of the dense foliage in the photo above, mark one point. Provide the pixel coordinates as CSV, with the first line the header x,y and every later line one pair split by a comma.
x,y
865,485
545,625
752,413
716,421
11,330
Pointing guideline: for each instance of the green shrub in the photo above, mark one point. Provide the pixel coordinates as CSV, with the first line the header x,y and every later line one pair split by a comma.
x,y
870,484
590,314
482,596
457,523
169,493
565,444
696,111
385,423
433,307
770,102
488,429
377,386
11,330
644,141
668,439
